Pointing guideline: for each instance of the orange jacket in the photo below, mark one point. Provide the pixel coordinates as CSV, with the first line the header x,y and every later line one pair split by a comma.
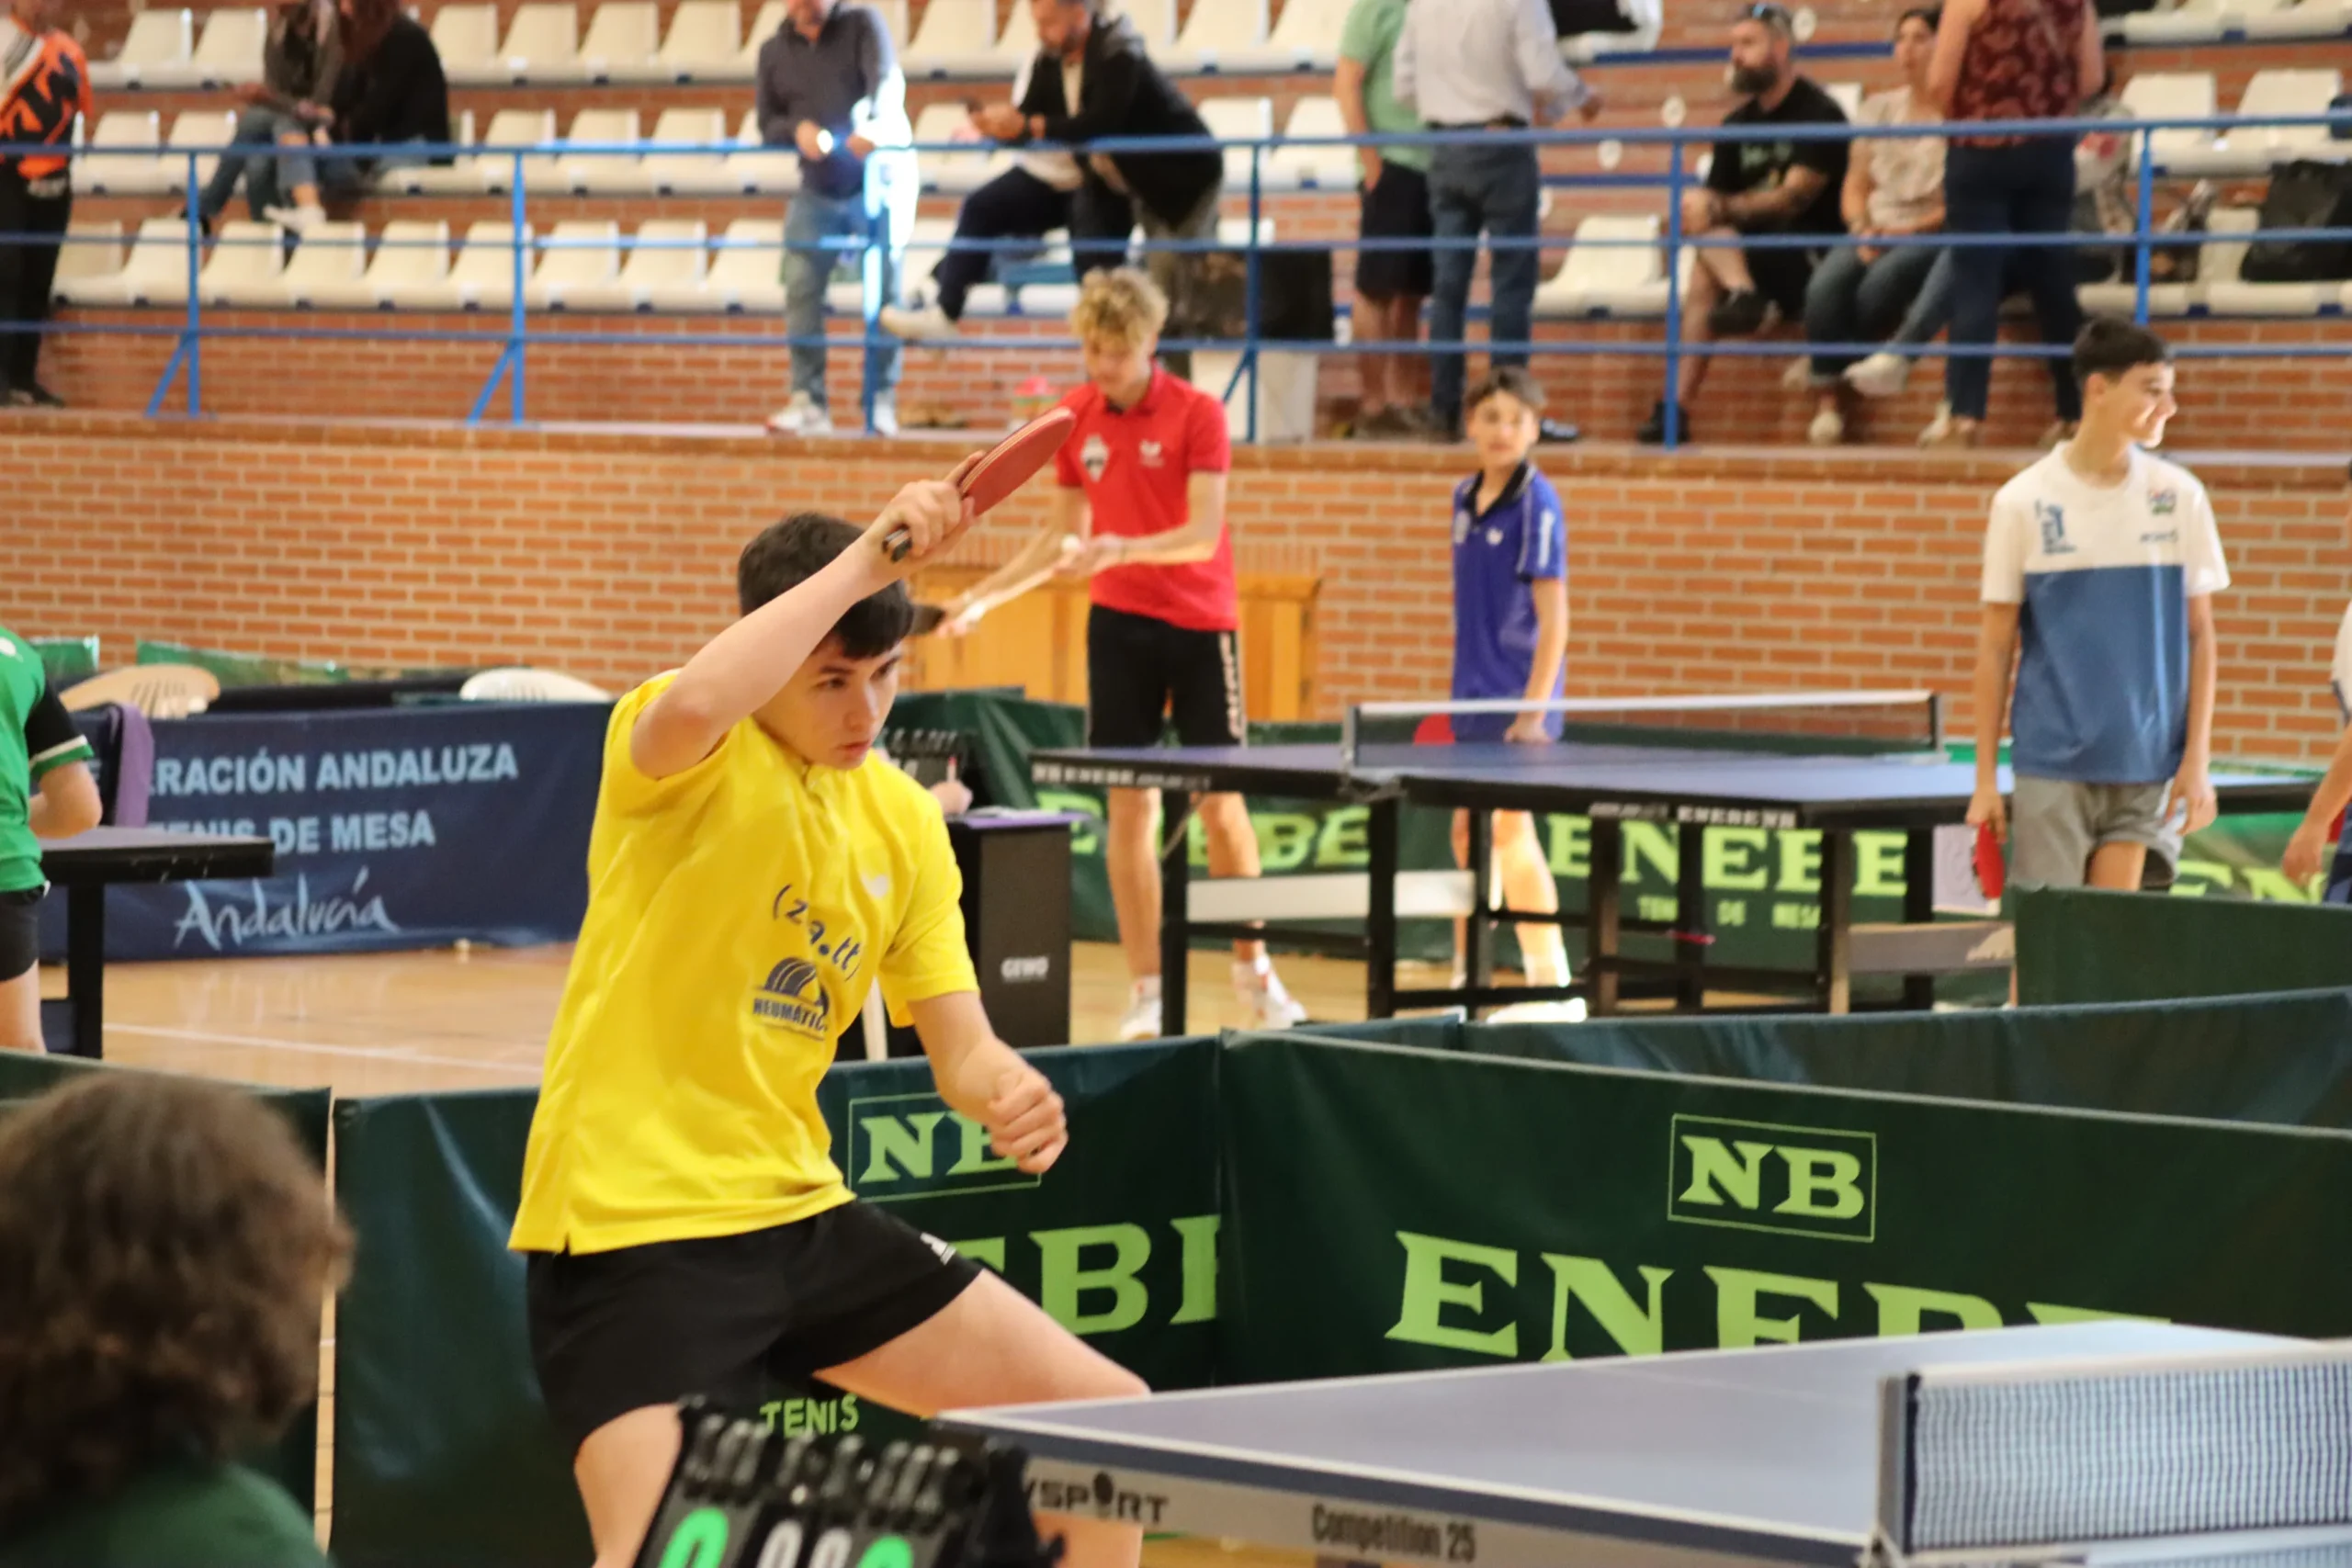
x,y
43,109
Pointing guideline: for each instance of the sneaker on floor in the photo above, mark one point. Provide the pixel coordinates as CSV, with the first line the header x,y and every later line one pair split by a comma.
x,y
804,415
1945,430
1799,375
1261,991
1653,431
1827,429
295,219
885,419
1570,1011
1142,1018
925,322
1741,313
35,397
1881,376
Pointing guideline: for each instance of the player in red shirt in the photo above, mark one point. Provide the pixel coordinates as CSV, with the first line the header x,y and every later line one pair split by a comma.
x,y
1144,491
44,86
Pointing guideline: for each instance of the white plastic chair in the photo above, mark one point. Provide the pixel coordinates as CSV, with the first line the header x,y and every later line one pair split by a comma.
x,y
482,278
462,176
2174,95
581,254
464,35
1238,119
613,173
1155,20
954,37
624,36
2227,293
664,254
1292,167
765,24
331,255
705,41
518,684
1305,36
229,51
960,172
123,174
494,171
412,259
679,174
542,43
746,274
155,272
1846,95
760,169
1626,278
1223,36
194,130
156,52
91,250
247,264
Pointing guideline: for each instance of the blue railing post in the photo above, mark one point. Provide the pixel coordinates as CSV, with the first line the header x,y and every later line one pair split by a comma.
x,y
1670,402
519,319
195,339
1250,289
2144,226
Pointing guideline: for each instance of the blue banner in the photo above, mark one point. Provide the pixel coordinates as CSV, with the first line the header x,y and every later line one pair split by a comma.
x,y
401,828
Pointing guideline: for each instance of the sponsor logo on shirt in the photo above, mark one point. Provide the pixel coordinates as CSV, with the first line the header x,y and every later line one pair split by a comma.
x,y
2051,518
2161,536
2161,503
1094,458
1494,536
792,997
1151,455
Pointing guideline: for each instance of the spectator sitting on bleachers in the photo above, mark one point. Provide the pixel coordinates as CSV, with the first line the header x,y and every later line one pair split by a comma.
x,y
299,64
1868,293
1027,201
830,84
391,91
1756,187
1092,79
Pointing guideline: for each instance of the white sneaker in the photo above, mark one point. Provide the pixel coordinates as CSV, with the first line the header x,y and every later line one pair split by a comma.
x,y
1571,1012
1261,991
1798,375
295,219
1880,376
804,415
1827,429
930,321
1142,1018
1939,429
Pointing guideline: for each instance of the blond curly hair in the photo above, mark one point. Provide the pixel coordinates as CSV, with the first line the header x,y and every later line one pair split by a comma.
x,y
1119,305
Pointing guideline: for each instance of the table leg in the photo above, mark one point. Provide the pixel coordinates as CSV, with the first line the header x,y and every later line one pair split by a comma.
x,y
1919,909
1834,941
86,967
1380,922
1604,901
1175,923
1478,932
1689,917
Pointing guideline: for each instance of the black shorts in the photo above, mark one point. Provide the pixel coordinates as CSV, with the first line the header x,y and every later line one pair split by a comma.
x,y
1397,208
1140,670
1782,275
19,932
734,1317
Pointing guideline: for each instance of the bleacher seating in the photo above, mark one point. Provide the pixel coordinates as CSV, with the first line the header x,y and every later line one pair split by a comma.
x,y
2255,149
154,273
156,52
1295,167
1228,37
410,257
623,38
956,38
246,263
2174,95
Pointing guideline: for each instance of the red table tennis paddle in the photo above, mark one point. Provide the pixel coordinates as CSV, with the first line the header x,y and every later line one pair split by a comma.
x,y
1992,870
1005,469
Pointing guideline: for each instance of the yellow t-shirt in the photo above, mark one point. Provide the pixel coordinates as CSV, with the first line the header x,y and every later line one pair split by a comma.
x,y
737,914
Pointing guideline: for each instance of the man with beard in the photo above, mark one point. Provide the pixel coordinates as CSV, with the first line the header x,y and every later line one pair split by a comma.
x,y
1756,187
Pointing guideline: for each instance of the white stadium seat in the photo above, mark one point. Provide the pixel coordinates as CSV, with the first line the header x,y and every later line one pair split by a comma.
x,y
229,51
1222,32
154,52
542,43
664,254
1238,119
2174,95
464,35
582,256
746,274
956,38
410,257
624,36
1615,267
613,173
705,43
960,172
759,168
246,263
331,256
91,250
483,276
1293,168
156,273
123,173
680,174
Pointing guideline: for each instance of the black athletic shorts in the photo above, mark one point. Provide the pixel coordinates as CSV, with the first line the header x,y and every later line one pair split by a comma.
x,y
1140,670
1398,208
733,1317
19,932
1782,276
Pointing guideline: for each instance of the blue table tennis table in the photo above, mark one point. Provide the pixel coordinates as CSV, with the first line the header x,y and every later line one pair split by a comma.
x,y
1942,1447
1695,786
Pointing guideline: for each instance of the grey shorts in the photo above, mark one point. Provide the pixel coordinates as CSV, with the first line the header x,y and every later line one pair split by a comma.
x,y
2055,824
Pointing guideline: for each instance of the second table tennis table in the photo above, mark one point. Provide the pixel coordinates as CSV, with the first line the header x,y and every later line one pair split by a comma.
x,y
1694,786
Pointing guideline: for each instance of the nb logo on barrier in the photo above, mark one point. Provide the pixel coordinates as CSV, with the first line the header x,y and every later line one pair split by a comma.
x,y
911,1146
1762,1176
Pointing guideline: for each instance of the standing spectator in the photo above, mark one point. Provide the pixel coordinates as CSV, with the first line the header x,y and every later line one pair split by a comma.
x,y
1093,79
1756,187
299,64
1866,292
2012,60
829,85
392,91
44,87
1484,65
1390,284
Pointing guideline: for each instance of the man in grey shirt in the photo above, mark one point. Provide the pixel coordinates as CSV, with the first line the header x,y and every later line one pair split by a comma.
x,y
830,84
1479,65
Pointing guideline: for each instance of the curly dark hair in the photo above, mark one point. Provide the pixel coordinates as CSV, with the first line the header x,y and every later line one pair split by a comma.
x,y
166,1251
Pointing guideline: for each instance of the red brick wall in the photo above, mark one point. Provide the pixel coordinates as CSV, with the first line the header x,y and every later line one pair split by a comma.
x,y
611,555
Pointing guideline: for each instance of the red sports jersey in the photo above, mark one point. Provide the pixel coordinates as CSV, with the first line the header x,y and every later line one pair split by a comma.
x,y
55,88
1136,466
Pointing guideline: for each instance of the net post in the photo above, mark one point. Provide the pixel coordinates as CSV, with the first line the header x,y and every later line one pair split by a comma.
x,y
1936,734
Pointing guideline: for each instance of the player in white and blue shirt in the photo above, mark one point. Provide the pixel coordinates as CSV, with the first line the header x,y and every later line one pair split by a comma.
x,y
2100,564
2310,844
1510,636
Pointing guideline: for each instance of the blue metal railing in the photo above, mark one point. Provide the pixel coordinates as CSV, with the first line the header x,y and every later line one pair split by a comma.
x,y
183,370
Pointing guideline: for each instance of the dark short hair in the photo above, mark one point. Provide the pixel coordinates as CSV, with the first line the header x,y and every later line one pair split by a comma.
x,y
789,553
2110,347
1933,16
166,1248
1511,381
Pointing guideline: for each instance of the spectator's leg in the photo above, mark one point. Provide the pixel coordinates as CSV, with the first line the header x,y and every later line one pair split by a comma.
x,y
1698,301
809,222
1455,212
298,166
1174,271
1929,311
16,218
1727,265
45,217
1100,221
1014,205
2045,204
1976,201
1514,211
892,188
1832,313
256,128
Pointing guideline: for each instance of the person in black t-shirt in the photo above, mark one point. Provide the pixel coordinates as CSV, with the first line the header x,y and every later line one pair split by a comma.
x,y
1756,187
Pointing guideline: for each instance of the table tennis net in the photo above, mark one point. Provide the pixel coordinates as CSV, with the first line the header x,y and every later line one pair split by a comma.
x,y
2123,1451
1861,722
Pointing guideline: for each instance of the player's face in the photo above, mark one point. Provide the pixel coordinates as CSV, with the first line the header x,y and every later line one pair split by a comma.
x,y
833,706
1504,430
1915,46
1122,370
2140,403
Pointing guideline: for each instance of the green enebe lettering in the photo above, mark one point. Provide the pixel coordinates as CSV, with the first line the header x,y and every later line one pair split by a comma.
x,y
1800,860
1652,844
1571,847
1734,858
1345,841
1737,1325
1813,1172
887,1138
699,1541
1285,839
1636,1332
1878,865
1428,1292
1711,1163
1198,1234
972,1156
1902,1308
1062,1282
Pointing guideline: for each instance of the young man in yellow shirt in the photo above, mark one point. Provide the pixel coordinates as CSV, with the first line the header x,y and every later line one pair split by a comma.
x,y
753,871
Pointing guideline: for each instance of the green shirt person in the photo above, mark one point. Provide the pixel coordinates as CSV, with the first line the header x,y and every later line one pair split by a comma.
x,y
1394,268
46,791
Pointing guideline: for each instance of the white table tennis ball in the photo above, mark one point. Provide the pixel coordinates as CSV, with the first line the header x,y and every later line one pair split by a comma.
x,y
1673,112
1803,23
1612,152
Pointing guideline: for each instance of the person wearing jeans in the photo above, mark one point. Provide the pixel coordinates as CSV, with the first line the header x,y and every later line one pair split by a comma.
x,y
300,63
2011,60
1473,65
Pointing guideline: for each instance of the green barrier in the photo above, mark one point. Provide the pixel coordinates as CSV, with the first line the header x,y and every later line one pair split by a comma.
x,y
2281,1060
2078,945
1392,1210
293,1461
67,658
242,669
